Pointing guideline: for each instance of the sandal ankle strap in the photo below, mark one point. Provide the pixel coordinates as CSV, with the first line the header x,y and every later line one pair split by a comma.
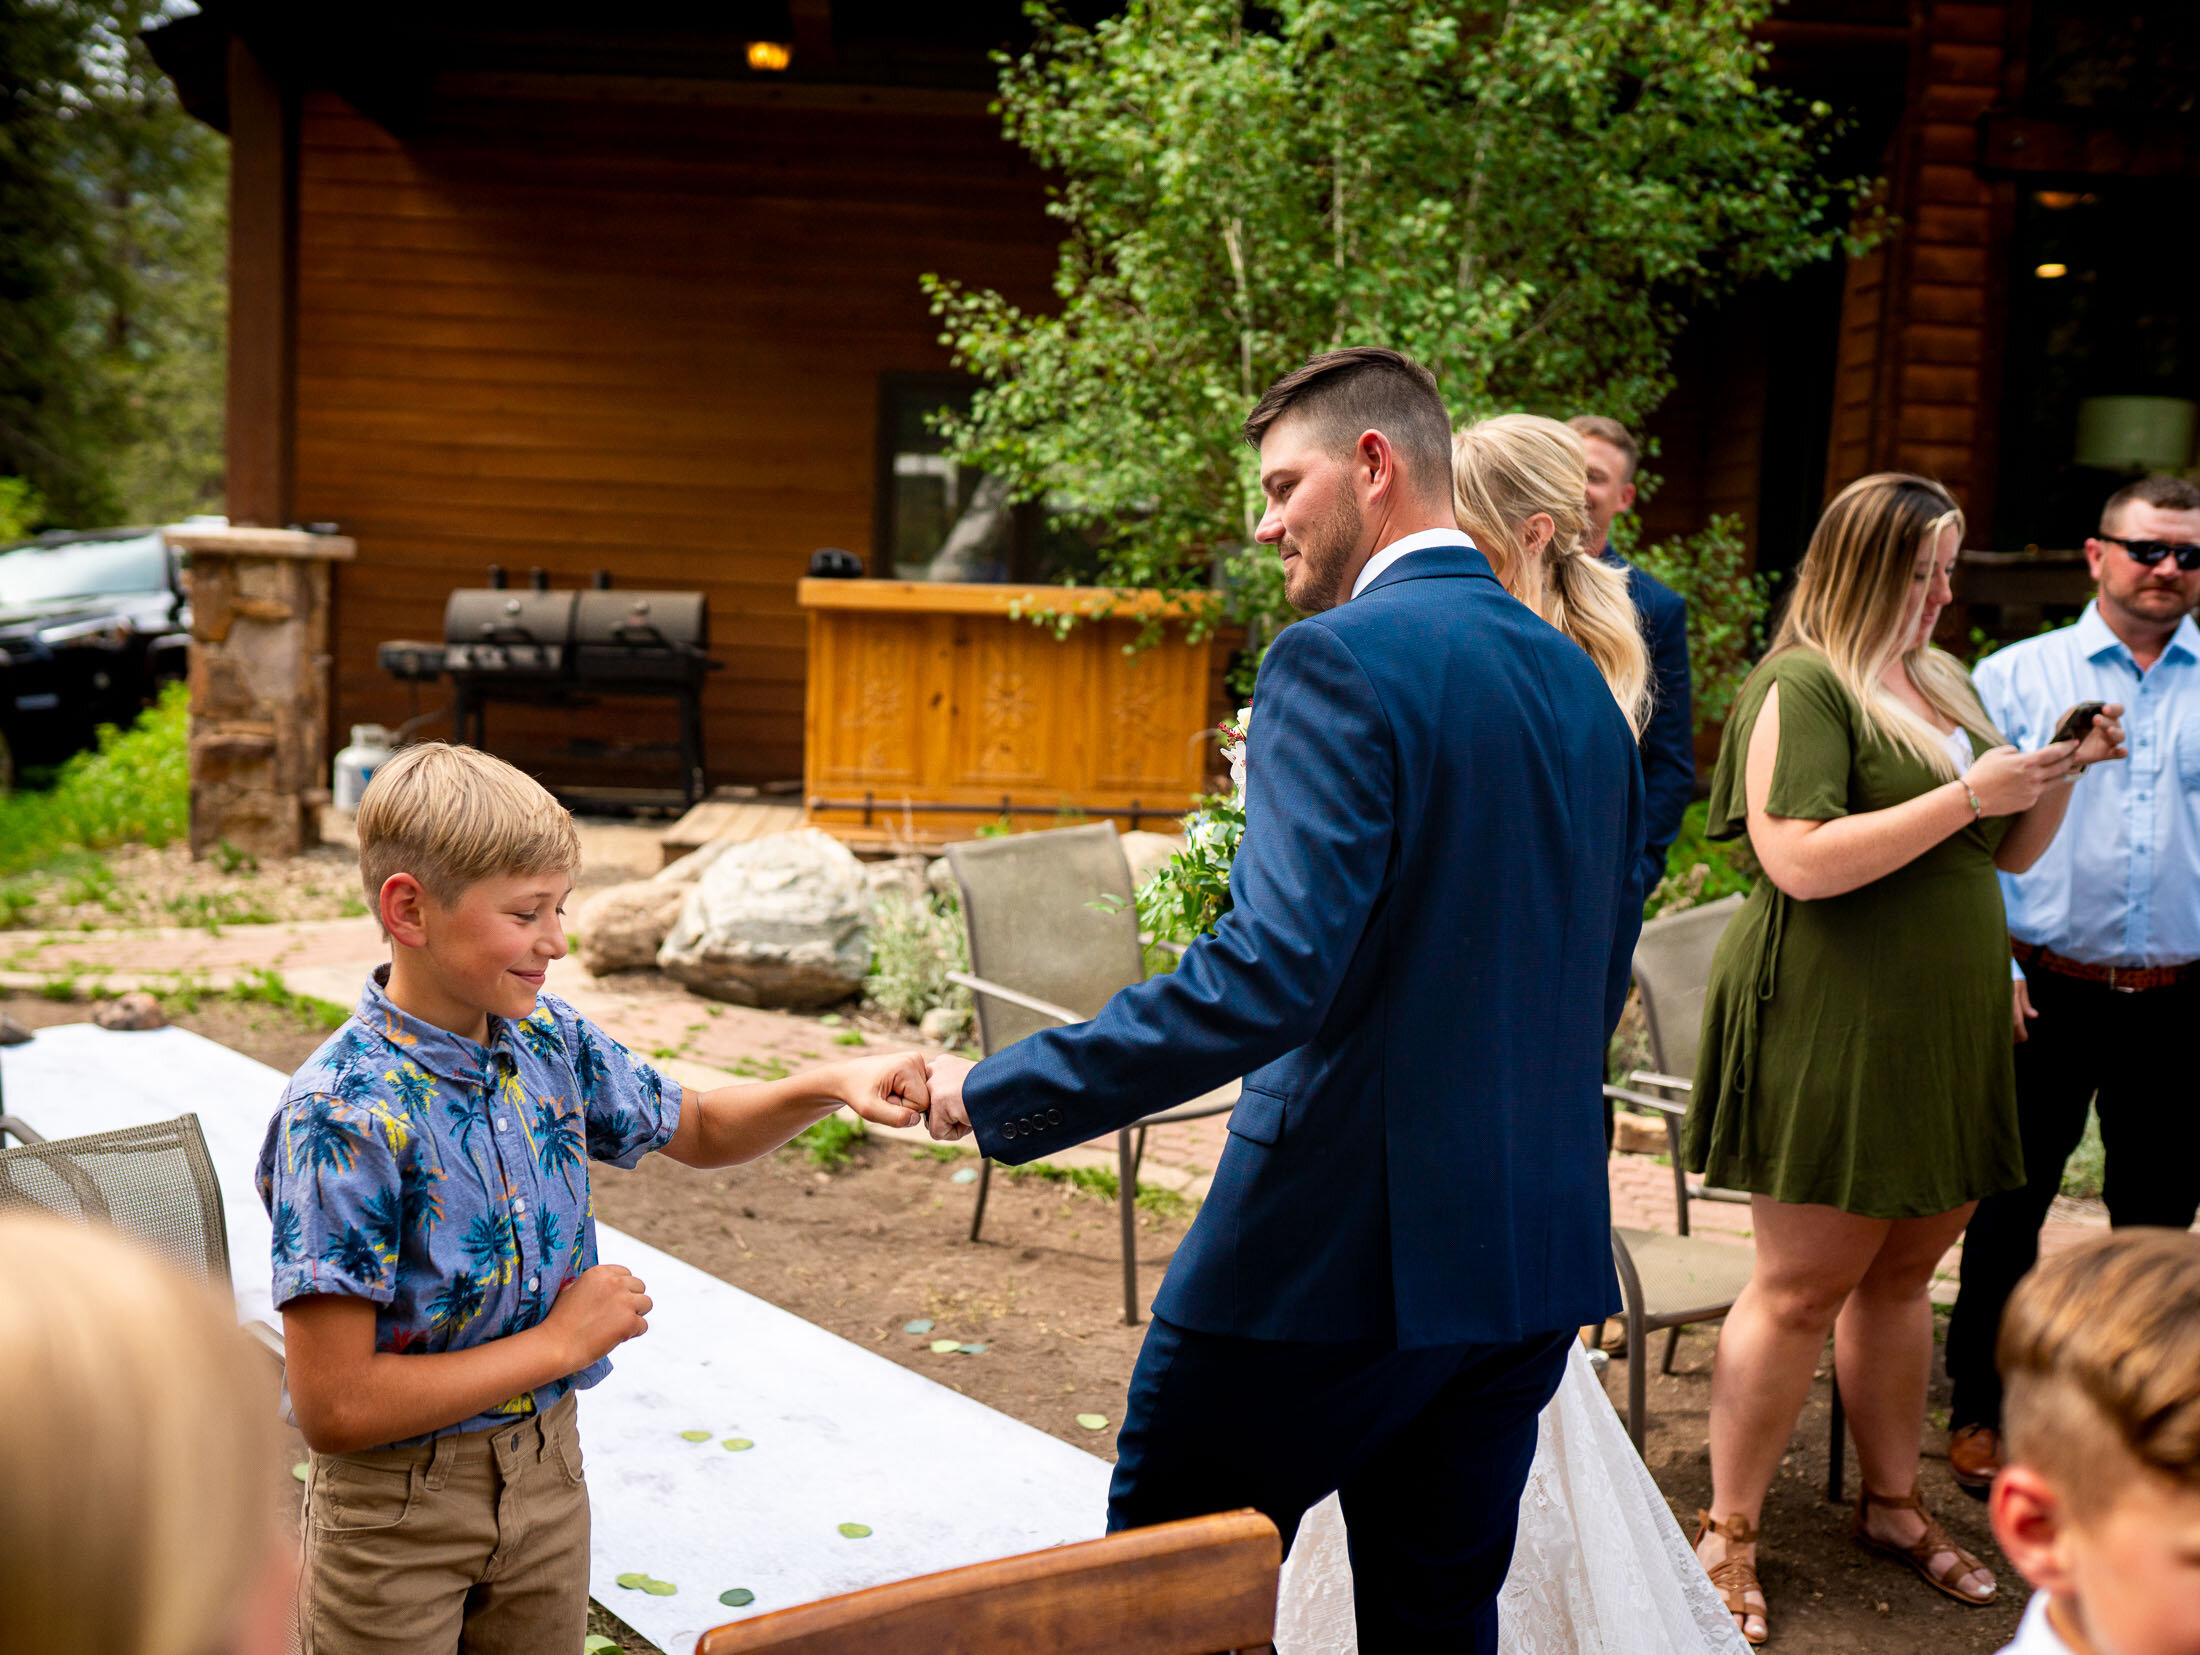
x,y
1737,1529
1865,1499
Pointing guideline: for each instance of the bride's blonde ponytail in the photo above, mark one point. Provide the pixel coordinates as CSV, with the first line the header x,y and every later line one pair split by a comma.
x,y
1506,470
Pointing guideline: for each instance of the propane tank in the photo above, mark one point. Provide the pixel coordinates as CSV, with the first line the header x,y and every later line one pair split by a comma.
x,y
356,764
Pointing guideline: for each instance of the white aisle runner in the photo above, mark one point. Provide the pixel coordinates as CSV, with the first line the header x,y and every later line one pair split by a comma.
x,y
841,1435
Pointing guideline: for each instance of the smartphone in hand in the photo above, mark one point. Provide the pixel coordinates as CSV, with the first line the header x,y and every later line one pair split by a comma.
x,y
2077,722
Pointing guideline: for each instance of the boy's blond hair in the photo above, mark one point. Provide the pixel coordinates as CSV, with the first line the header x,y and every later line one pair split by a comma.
x,y
453,816
2100,1365
137,1466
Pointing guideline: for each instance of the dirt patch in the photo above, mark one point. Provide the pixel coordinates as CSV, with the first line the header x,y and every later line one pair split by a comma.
x,y
276,1035
134,885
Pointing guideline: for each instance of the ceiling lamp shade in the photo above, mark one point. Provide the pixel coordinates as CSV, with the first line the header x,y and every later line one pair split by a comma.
x,y
2136,433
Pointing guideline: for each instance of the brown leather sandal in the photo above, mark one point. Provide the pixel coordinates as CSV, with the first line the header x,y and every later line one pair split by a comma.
x,y
1734,1579
1919,1555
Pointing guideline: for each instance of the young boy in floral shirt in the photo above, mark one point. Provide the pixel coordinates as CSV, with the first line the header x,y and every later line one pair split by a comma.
x,y
434,1237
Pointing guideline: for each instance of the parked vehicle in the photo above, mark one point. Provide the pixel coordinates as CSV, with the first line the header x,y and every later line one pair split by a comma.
x,y
92,623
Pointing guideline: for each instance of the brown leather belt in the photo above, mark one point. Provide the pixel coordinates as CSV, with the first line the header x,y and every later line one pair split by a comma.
x,y
2124,979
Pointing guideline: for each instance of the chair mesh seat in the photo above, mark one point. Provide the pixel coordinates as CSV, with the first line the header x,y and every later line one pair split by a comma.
x,y
154,1183
1686,1278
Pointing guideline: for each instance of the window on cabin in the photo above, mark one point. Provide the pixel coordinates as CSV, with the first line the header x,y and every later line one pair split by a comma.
x,y
937,520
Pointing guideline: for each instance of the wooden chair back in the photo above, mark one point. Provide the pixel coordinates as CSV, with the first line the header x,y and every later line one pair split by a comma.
x,y
1199,1587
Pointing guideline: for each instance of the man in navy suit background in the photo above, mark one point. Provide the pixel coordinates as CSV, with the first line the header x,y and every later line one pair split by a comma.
x,y
1669,739
1433,911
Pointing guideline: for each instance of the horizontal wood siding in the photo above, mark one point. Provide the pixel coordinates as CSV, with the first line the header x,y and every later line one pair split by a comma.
x,y
647,338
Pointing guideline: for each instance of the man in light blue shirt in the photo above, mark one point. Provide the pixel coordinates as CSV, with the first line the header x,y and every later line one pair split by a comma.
x,y
2105,928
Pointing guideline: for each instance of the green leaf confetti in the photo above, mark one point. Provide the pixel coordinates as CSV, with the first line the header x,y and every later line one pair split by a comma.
x,y
965,1175
632,1582
299,1471
660,1588
737,1597
736,1445
856,1531
597,1644
941,1347
971,1350
922,1324
1093,1422
695,1436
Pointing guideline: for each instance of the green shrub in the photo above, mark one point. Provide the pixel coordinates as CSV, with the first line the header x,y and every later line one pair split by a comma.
x,y
2083,1173
1699,870
915,943
135,787
1727,603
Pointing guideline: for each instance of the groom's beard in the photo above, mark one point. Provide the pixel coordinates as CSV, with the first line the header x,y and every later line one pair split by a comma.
x,y
1317,580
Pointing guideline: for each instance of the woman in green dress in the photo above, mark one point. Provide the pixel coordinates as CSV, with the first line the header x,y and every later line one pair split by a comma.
x,y
1855,1071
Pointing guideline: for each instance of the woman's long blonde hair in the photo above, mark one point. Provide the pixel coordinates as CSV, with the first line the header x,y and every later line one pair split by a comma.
x,y
137,1461
1851,605
1504,471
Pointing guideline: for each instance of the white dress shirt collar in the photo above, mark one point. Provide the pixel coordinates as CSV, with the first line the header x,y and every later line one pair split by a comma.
x,y
2036,1634
1399,548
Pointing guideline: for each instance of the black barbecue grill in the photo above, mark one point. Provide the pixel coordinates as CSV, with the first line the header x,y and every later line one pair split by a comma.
x,y
545,648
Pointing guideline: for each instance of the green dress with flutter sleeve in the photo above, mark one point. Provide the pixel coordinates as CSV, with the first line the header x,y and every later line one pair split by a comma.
x,y
1856,1048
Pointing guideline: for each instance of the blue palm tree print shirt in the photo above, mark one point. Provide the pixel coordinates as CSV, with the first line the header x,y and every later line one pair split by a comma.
x,y
447,1181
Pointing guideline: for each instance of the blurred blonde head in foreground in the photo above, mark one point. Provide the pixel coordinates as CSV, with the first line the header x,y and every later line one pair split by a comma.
x,y
137,1456
2099,1505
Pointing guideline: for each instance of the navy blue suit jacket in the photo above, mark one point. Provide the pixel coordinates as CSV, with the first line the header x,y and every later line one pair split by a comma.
x,y
1669,739
1433,913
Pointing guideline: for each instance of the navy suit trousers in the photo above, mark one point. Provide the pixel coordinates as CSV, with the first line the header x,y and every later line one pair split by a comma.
x,y
1428,1450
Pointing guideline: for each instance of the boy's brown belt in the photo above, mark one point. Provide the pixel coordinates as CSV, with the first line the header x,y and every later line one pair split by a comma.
x,y
2124,979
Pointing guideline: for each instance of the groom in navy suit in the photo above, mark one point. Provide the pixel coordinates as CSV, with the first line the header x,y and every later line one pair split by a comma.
x,y
1432,916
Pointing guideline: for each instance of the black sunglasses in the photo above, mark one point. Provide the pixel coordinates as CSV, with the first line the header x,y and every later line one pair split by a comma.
x,y
2151,552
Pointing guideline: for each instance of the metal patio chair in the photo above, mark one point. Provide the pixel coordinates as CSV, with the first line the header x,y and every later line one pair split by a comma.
x,y
1197,1587
154,1183
1043,955
1677,1281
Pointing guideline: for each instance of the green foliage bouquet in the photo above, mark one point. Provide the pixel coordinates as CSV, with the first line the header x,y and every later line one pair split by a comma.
x,y
1186,897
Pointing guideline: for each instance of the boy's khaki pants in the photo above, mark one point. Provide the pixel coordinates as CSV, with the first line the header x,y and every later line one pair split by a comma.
x,y
476,1542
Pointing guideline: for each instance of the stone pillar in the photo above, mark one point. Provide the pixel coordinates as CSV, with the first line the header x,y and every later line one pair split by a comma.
x,y
259,684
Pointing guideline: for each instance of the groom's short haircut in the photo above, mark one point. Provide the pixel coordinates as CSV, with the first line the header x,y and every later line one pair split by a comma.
x,y
1366,388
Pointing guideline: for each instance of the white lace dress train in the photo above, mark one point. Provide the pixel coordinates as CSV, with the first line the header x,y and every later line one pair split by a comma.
x,y
1600,1567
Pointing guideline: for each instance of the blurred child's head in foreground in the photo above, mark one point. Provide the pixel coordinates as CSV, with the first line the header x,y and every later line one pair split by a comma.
x,y
2100,1503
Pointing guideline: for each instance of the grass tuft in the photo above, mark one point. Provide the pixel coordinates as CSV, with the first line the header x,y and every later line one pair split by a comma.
x,y
134,787
830,1144
1152,1198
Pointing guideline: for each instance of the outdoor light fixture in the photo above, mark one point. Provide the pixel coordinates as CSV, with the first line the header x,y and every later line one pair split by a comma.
x,y
2048,272
770,55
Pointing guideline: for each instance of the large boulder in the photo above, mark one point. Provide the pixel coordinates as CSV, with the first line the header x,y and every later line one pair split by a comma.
x,y
901,875
774,922
621,927
692,866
